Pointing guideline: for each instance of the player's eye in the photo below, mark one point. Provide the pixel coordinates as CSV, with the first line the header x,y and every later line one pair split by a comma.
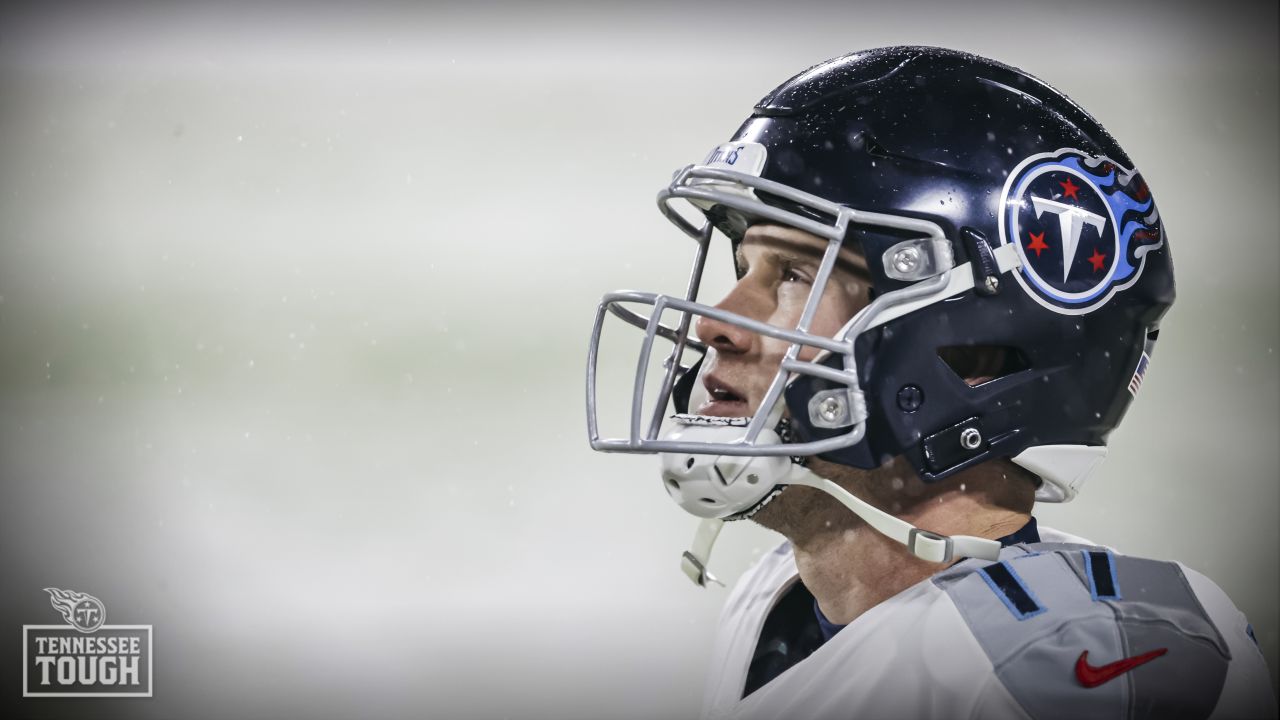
x,y
791,273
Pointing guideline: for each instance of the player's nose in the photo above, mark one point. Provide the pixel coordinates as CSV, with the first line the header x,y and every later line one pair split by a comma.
x,y
727,337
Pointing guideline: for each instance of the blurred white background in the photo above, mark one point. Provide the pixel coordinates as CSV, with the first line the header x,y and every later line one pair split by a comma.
x,y
294,303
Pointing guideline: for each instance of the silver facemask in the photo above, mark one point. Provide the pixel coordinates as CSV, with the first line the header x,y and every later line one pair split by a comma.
x,y
729,180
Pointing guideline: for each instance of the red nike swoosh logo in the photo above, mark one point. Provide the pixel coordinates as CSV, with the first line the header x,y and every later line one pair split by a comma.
x,y
1090,676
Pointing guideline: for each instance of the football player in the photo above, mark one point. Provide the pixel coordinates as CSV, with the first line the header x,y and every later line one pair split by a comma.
x,y
950,280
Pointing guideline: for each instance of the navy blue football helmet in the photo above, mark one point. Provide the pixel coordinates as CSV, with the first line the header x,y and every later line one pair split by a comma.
x,y
994,215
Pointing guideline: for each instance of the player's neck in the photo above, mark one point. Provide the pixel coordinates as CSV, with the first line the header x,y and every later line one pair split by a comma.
x,y
852,571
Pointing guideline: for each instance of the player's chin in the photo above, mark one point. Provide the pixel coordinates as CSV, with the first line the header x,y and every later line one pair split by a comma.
x,y
786,512
803,514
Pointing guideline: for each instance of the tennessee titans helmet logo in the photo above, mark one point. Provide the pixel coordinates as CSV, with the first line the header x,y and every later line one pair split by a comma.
x,y
1082,226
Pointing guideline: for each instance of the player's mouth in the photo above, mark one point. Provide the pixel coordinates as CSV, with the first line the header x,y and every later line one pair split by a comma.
x,y
723,400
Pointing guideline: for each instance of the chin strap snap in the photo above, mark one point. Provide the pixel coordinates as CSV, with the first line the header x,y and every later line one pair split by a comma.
x,y
926,545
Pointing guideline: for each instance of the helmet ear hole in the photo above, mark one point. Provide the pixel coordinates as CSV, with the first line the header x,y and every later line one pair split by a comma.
x,y
980,364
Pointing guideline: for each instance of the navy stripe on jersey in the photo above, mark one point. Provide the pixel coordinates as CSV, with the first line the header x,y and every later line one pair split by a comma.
x,y
1006,584
1101,567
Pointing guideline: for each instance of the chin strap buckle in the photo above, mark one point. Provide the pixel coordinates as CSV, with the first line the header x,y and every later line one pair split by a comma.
x,y
694,561
696,571
930,550
935,547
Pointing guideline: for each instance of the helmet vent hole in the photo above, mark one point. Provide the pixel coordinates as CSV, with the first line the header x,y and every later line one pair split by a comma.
x,y
981,364
707,501
673,484
688,464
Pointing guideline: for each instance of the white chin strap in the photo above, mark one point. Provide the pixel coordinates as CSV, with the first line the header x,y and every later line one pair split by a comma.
x,y
926,545
714,487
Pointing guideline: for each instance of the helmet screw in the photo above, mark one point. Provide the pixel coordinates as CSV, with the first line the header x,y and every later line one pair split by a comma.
x,y
831,409
906,260
910,398
970,439
992,284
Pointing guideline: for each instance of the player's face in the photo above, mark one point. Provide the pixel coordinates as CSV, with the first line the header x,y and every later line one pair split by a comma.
x,y
778,265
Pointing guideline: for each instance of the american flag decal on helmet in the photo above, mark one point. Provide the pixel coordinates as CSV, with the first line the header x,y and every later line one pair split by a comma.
x,y
1139,373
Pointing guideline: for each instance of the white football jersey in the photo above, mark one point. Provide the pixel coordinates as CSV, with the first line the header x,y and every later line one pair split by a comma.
x,y
1055,629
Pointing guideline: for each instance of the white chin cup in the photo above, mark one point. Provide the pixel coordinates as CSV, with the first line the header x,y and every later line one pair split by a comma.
x,y
711,486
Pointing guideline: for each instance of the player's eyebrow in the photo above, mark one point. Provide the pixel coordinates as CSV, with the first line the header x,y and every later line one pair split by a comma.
x,y
788,246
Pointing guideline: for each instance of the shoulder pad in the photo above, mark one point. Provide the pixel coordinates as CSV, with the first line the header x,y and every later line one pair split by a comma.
x,y
1079,631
